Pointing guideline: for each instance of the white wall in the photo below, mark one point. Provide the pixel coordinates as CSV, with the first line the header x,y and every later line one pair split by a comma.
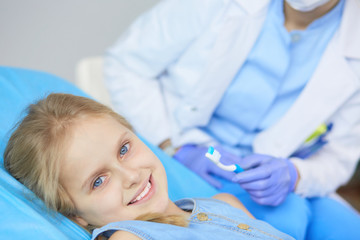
x,y
53,35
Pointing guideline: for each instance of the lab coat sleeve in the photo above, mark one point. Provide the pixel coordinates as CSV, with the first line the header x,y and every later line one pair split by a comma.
x,y
144,52
334,164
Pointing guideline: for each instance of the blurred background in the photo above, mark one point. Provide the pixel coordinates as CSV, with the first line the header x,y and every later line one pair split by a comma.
x,y
53,36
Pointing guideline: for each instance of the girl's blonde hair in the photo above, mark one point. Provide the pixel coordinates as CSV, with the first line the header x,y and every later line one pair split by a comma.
x,y
36,147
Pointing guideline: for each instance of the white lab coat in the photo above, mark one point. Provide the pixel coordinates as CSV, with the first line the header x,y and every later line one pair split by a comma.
x,y
168,72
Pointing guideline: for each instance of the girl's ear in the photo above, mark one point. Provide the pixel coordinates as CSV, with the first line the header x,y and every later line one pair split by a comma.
x,y
80,221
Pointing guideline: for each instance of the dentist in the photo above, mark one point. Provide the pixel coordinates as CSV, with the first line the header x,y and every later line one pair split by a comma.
x,y
258,79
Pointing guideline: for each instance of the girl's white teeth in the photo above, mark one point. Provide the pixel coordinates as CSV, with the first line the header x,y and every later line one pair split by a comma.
x,y
141,195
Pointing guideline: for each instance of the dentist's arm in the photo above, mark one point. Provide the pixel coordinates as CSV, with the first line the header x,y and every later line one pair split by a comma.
x,y
334,164
318,175
144,52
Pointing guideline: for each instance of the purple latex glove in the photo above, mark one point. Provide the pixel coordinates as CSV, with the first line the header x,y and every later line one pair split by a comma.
x,y
193,157
267,179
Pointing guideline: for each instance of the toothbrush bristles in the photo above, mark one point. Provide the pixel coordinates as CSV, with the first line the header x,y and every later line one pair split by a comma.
x,y
213,155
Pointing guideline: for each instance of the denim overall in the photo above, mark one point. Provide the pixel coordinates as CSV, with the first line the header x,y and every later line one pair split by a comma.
x,y
210,219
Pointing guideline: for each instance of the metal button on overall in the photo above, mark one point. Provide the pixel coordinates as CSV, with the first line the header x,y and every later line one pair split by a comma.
x,y
202,216
243,226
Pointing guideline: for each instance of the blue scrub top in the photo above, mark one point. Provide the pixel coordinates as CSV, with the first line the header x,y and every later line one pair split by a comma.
x,y
274,74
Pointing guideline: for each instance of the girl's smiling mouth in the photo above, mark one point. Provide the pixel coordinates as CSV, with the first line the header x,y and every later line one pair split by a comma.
x,y
144,193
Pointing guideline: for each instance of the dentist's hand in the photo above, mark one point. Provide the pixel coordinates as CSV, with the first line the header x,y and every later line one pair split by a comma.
x,y
193,157
267,179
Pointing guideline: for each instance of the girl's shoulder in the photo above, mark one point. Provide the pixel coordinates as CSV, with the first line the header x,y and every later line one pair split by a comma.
x,y
121,235
232,201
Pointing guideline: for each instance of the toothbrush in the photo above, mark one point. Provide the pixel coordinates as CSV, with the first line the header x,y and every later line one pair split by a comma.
x,y
215,156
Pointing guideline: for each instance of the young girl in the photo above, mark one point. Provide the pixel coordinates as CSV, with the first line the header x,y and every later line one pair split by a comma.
x,y
84,161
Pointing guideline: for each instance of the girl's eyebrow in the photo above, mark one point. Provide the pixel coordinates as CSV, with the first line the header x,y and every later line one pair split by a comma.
x,y
99,170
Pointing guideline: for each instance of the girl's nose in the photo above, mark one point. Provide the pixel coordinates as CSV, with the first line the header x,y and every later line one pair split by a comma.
x,y
130,176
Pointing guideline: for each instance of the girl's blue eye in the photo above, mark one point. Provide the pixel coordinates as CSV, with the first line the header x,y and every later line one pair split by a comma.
x,y
98,182
124,149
